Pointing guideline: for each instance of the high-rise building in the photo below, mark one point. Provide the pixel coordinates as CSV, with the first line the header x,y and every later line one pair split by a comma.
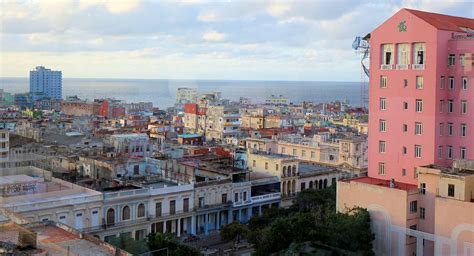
x,y
45,83
421,116
186,95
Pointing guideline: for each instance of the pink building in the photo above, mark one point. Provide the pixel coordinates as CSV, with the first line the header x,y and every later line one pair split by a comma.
x,y
421,115
421,108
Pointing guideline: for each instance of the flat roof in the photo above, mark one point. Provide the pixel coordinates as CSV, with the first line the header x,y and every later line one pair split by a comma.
x,y
383,183
309,168
16,179
189,136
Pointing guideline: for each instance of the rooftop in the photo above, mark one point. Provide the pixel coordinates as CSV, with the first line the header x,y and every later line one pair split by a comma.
x,y
305,169
383,183
444,22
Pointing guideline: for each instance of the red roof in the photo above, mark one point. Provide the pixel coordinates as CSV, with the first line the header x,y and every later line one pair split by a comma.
x,y
444,22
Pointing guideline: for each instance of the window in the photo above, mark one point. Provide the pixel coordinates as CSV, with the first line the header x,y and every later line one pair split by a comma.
x,y
413,206
303,153
464,83
141,211
158,209
294,152
441,129
451,82
450,129
404,172
283,150
418,128
405,128
172,206
383,103
266,165
236,197
201,202
403,51
463,106
462,59
381,146
440,152
442,82
405,83
126,213
417,151
381,168
277,167
404,150
451,60
441,106
254,163
382,125
313,154
419,82
303,186
383,81
451,190
419,53
422,213
450,106
419,105
462,153
387,54
450,152
463,130
405,105
245,196
224,198
186,205
423,188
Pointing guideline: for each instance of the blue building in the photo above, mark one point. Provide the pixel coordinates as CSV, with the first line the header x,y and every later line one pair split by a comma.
x,y
45,83
23,100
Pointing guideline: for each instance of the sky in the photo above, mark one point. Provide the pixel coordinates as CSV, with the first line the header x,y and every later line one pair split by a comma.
x,y
306,40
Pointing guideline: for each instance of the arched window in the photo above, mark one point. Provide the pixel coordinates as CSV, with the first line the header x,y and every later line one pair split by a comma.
x,y
141,210
284,170
289,188
110,216
283,188
311,184
126,213
293,187
325,183
294,170
289,171
320,184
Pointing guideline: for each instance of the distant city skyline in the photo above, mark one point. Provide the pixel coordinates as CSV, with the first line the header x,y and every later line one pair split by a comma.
x,y
263,40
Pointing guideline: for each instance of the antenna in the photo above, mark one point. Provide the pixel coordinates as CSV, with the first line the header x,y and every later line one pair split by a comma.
x,y
361,46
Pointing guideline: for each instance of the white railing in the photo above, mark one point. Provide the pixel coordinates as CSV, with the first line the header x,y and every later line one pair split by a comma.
x,y
127,193
267,197
402,66
242,203
418,66
386,67
172,189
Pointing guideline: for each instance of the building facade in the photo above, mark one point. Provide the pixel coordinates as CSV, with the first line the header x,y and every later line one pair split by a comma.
x,y
45,83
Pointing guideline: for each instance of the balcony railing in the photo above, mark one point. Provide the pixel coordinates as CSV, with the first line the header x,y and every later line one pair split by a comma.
x,y
242,203
402,66
267,197
418,66
386,67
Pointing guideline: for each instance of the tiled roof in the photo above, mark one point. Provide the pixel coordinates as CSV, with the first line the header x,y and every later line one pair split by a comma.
x,y
444,22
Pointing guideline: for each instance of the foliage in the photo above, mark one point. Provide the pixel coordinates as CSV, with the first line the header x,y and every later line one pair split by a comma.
x,y
130,245
311,223
158,241
234,231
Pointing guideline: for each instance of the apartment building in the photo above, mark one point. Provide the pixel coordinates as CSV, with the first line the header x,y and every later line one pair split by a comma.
x,y
222,122
132,144
4,145
420,86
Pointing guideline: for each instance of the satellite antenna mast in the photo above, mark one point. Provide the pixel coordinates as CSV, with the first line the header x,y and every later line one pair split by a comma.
x,y
361,45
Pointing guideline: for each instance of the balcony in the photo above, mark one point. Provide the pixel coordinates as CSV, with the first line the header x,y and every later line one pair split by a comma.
x,y
402,66
266,198
386,67
242,203
236,123
418,66
231,115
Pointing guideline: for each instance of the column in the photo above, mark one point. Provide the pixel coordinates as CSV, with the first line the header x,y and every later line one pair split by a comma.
x,y
206,223
249,213
179,227
164,227
218,220
419,245
193,225
229,217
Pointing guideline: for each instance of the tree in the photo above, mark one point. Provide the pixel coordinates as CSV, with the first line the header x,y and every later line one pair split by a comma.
x,y
234,232
130,245
158,241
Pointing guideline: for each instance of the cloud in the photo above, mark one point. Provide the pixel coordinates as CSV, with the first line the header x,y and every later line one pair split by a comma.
x,y
208,16
213,36
278,9
113,6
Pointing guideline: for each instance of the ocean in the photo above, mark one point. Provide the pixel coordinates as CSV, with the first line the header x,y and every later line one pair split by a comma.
x,y
163,92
